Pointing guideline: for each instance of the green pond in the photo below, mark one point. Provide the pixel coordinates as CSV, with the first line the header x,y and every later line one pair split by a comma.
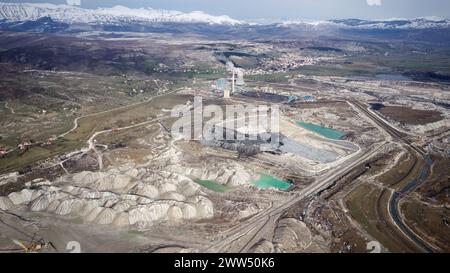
x,y
211,185
323,131
267,182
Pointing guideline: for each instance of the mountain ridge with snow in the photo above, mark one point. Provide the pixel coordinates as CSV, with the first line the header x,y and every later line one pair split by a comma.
x,y
397,24
75,15
121,15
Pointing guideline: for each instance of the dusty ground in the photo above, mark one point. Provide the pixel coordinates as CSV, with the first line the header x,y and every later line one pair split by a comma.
x,y
411,116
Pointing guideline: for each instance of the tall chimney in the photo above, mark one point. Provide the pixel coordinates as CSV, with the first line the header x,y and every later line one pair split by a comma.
x,y
232,82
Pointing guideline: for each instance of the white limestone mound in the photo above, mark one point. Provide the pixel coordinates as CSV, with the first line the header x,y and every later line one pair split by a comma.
x,y
41,183
158,211
204,206
8,178
140,216
146,190
196,173
104,181
133,173
53,206
173,196
147,215
189,188
87,178
209,175
129,197
113,182
21,197
122,182
165,174
37,194
69,206
224,176
110,202
167,187
91,195
292,235
122,197
106,216
189,212
175,213
5,203
122,220
124,205
89,206
144,201
101,195
288,232
71,189
43,202
178,169
239,178
93,214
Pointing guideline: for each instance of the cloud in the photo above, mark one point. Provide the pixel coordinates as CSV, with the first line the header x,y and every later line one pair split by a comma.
x,y
374,2
73,2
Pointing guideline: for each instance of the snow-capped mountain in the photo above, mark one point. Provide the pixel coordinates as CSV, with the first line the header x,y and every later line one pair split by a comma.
x,y
12,12
398,24
119,18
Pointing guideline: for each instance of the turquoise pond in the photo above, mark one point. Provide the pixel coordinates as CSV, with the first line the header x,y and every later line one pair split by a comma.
x,y
267,182
323,131
211,185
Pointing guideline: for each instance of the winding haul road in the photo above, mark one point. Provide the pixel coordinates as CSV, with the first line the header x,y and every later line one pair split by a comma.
x,y
76,120
91,140
10,108
395,198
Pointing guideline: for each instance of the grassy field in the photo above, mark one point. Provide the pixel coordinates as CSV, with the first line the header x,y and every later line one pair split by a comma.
x,y
337,71
425,210
368,203
87,126
122,117
270,78
409,62
17,160
125,116
368,206
429,222
371,65
398,176
408,115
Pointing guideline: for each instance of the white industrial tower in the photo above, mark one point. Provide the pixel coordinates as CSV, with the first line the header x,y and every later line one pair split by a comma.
x,y
233,82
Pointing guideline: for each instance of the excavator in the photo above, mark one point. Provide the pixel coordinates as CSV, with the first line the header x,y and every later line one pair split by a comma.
x,y
33,247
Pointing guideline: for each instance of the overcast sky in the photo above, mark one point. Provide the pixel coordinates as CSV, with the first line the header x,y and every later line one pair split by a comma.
x,y
285,9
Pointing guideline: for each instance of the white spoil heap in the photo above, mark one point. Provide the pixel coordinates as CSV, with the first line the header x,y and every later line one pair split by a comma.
x,y
131,198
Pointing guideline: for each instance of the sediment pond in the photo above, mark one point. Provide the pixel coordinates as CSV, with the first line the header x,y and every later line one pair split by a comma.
x,y
321,130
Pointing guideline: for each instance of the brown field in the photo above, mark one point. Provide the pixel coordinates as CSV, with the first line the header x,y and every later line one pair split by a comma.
x,y
426,211
437,186
368,203
429,222
125,116
408,168
121,117
18,160
368,206
410,116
